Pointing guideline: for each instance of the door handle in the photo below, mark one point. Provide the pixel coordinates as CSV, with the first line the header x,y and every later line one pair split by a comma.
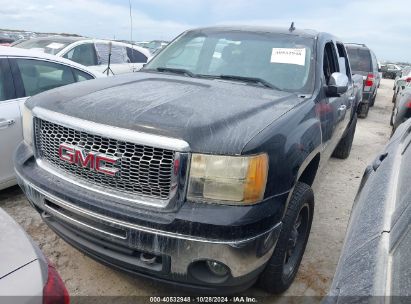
x,y
6,123
341,112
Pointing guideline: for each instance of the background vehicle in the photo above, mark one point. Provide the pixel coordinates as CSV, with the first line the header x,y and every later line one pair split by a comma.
x,y
364,62
400,81
26,276
402,105
92,53
376,256
391,71
24,73
5,40
218,155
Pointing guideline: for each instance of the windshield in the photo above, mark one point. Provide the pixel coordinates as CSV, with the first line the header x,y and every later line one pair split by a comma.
x,y
283,61
45,45
360,59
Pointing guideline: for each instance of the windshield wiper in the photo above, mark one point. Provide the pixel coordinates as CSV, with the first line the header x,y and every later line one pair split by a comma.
x,y
249,79
176,71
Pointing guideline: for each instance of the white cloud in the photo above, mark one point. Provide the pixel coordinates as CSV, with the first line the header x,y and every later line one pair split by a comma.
x,y
91,18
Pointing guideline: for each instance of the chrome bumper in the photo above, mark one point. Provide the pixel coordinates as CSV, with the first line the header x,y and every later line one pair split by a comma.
x,y
242,256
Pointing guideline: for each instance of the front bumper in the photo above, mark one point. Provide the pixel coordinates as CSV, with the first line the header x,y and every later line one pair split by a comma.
x,y
146,250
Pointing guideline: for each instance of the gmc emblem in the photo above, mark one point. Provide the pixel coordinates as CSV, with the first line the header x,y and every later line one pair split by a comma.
x,y
93,160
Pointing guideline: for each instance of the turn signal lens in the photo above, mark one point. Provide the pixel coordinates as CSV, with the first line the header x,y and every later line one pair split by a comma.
x,y
228,179
27,122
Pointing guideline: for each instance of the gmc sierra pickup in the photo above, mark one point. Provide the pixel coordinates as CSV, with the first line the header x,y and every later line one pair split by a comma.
x,y
196,171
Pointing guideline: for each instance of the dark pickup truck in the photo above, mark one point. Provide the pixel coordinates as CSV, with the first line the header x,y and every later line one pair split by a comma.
x,y
196,171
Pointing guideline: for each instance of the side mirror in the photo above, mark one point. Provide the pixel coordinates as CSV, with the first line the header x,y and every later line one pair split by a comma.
x,y
379,70
337,85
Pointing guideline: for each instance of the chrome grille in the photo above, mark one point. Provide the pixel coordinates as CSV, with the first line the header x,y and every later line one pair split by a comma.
x,y
143,170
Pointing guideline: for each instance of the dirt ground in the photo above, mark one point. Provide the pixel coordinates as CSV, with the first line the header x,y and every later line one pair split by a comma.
x,y
334,188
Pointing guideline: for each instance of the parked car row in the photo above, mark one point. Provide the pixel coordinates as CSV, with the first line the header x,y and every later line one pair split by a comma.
x,y
402,103
364,62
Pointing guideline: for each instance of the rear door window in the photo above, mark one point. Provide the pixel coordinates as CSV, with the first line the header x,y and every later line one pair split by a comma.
x,y
118,53
6,82
360,59
39,76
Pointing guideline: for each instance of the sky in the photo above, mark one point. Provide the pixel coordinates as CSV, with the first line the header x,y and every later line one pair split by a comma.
x,y
383,25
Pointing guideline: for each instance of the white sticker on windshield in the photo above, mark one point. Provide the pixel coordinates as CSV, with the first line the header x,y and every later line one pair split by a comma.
x,y
288,55
55,45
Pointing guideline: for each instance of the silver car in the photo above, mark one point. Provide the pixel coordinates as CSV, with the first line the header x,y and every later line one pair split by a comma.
x,y
25,274
24,73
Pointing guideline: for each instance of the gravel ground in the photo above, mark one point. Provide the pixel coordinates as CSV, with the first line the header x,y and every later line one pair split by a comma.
x,y
335,188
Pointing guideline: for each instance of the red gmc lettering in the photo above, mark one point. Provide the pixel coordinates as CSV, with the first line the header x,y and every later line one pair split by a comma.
x,y
92,160
100,165
66,153
84,161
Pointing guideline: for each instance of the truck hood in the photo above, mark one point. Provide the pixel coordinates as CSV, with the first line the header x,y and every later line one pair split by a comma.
x,y
16,248
213,116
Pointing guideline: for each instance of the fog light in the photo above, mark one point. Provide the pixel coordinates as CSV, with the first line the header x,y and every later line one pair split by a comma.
x,y
217,268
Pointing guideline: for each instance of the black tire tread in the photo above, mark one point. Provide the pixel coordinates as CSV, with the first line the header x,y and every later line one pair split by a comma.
x,y
343,148
271,278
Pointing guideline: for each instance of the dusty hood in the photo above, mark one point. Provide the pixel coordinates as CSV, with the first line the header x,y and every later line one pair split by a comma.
x,y
16,249
213,116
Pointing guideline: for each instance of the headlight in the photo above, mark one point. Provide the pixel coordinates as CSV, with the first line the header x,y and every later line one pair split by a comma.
x,y
236,180
27,121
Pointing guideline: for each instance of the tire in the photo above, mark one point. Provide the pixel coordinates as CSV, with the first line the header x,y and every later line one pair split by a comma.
x,y
283,265
372,101
363,112
343,148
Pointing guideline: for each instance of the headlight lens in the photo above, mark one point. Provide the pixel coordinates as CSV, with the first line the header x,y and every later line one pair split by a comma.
x,y
27,121
236,180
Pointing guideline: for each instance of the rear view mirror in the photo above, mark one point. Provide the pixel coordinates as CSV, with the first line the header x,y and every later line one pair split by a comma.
x,y
337,85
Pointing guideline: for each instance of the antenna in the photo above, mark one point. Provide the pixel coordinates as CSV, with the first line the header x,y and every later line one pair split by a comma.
x,y
292,27
131,37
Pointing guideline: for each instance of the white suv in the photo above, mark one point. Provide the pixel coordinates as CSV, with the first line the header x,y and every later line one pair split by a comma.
x,y
93,53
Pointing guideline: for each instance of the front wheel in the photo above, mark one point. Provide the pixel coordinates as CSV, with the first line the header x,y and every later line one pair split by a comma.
x,y
285,261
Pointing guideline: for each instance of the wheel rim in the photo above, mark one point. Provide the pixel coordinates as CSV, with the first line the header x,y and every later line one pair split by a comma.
x,y
296,242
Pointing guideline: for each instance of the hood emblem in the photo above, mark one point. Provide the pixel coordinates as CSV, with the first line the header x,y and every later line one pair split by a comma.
x,y
94,161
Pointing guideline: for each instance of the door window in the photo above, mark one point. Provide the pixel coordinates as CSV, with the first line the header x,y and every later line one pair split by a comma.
x,y
6,83
84,54
135,56
343,60
330,65
39,76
